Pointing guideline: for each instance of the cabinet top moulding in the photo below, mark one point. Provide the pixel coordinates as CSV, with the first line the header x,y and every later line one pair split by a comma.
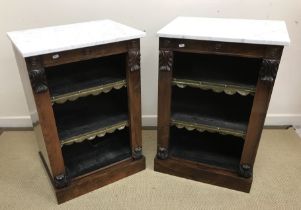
x,y
262,32
52,39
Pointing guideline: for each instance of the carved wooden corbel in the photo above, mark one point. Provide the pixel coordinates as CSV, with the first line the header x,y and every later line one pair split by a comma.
x,y
245,171
134,59
37,76
268,71
137,153
162,153
60,181
165,60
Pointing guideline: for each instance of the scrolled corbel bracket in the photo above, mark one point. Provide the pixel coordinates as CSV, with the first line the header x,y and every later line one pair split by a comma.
x,y
162,153
61,181
137,153
37,75
245,170
269,69
165,60
134,59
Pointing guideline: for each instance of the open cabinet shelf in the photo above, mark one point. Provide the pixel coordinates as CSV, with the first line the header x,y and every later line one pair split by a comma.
x,y
206,110
207,148
82,158
216,72
213,97
83,82
88,117
83,78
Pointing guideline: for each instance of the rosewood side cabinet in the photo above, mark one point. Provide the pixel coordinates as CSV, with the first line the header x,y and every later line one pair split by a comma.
x,y
216,77
82,84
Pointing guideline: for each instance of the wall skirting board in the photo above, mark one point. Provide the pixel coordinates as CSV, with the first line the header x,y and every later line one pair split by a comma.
x,y
151,120
283,119
15,121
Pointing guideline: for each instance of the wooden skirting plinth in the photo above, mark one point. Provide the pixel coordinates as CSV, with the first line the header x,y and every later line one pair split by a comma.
x,y
203,173
96,179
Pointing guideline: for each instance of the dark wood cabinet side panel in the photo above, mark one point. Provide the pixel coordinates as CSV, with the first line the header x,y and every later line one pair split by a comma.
x,y
256,122
86,53
46,122
166,62
164,101
164,105
134,98
34,109
134,101
49,131
264,88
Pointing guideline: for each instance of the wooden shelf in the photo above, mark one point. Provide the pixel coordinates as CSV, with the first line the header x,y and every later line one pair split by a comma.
x,y
201,110
212,149
91,135
82,158
216,72
83,78
89,91
229,89
205,127
92,116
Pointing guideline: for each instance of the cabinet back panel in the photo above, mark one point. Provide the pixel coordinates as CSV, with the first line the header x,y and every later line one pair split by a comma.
x,y
91,113
87,156
207,107
86,74
216,68
208,148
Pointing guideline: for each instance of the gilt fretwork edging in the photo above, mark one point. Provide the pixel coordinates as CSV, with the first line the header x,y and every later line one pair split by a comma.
x,y
134,59
165,60
37,76
268,71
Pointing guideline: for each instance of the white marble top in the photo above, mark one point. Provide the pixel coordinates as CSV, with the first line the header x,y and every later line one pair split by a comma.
x,y
268,32
67,37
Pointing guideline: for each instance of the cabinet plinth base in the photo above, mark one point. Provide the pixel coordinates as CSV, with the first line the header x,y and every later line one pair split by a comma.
x,y
202,173
96,179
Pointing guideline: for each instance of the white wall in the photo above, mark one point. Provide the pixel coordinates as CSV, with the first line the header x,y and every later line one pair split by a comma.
x,y
150,16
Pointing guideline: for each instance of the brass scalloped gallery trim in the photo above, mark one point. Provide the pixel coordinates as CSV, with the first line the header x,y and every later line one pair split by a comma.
x,y
72,96
215,87
96,133
212,129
